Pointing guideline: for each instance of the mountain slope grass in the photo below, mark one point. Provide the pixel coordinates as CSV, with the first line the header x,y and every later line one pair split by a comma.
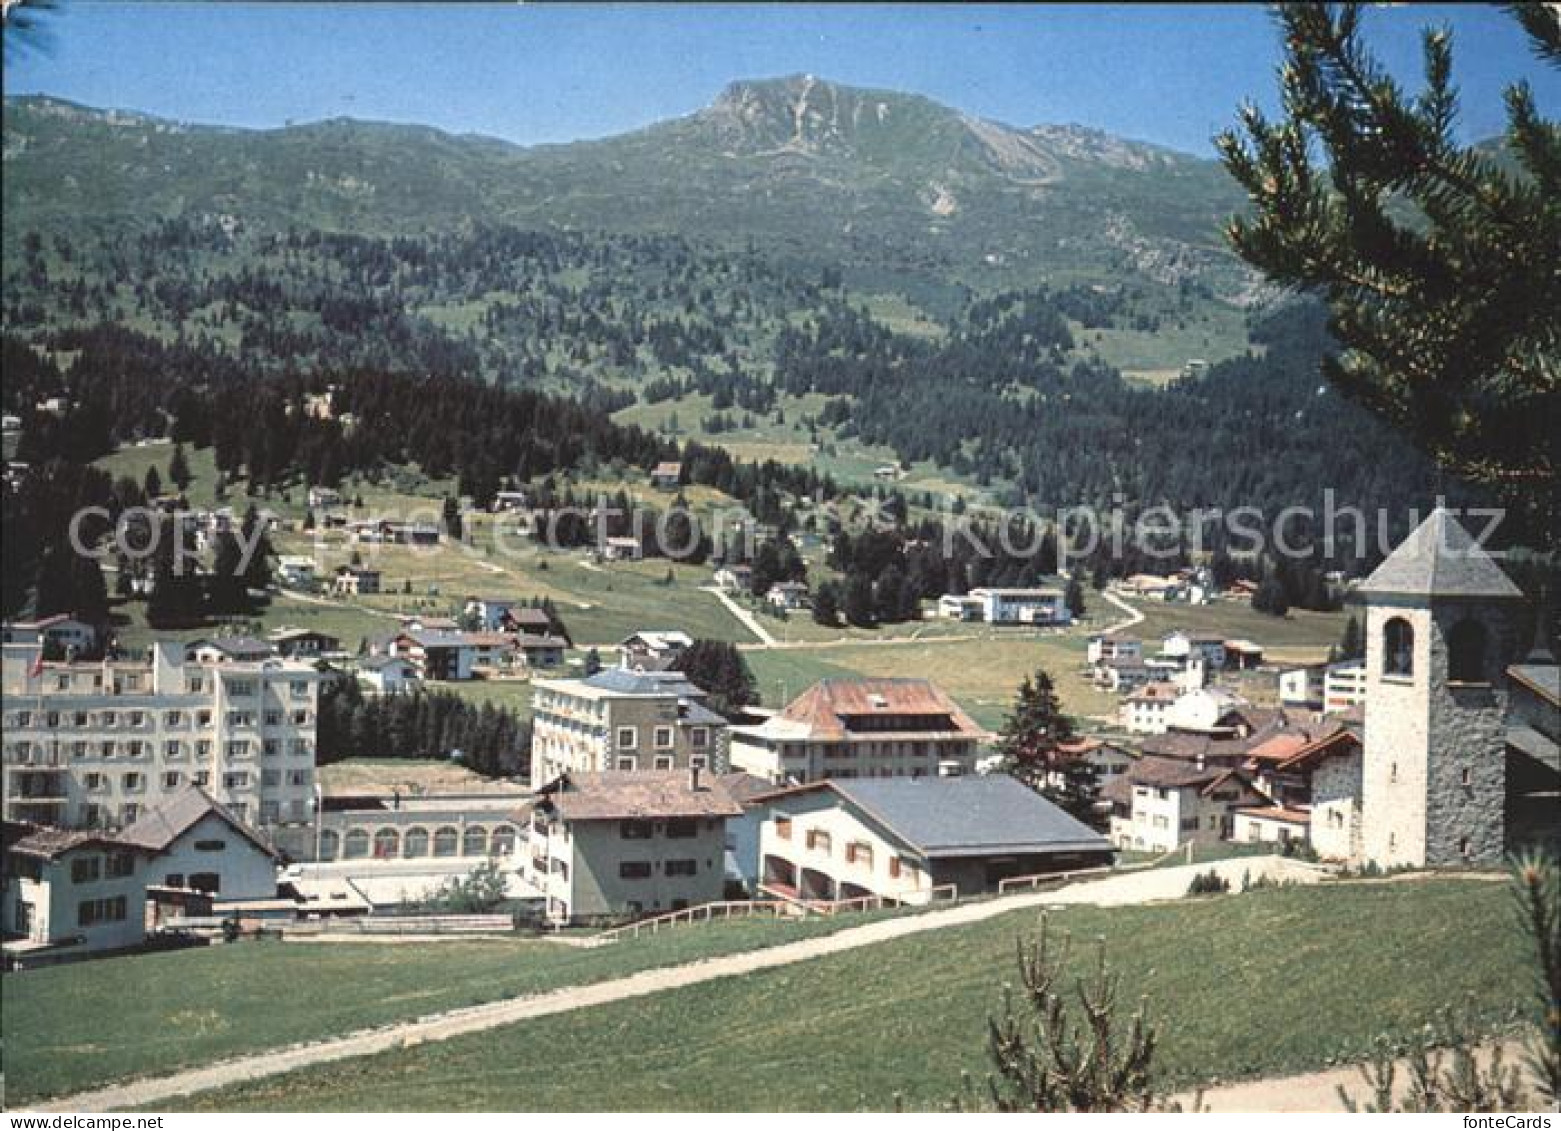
x,y
1243,985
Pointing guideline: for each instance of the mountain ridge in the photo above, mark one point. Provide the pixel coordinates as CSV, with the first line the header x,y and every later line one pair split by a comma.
x,y
882,181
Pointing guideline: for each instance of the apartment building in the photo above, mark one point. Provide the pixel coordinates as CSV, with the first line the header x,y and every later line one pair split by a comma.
x,y
94,745
624,721
861,728
622,845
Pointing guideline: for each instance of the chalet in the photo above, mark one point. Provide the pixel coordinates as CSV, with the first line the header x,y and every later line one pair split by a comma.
x,y
1023,606
861,728
653,651
533,620
60,633
1181,646
302,643
1108,759
411,533
490,613
1148,585
1313,781
734,578
1161,803
959,606
192,841
355,581
605,846
1103,649
1302,687
231,650
1144,711
296,571
887,472
1344,685
505,501
899,839
541,650
1243,655
1208,710
493,651
437,655
388,675
324,497
666,475
621,548
788,596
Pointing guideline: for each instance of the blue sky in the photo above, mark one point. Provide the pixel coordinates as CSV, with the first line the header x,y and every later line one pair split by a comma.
x,y
530,73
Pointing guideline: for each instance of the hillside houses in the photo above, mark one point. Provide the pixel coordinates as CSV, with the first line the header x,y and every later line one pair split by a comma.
x,y
1161,803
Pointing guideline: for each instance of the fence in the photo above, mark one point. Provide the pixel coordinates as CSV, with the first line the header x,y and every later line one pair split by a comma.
x,y
702,913
406,925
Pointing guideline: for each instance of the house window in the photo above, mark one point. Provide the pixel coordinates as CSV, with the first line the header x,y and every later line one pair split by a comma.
x,y
699,737
859,852
90,912
208,882
682,867
86,869
818,840
210,845
627,765
173,880
783,828
1466,647
634,870
1398,647
663,738
628,738
120,865
894,867
635,830
664,763
682,828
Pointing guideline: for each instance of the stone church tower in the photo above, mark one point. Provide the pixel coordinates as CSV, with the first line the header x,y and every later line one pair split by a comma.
x,y
1441,626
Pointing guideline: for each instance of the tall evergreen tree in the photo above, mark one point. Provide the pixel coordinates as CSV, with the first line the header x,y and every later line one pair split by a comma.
x,y
1440,263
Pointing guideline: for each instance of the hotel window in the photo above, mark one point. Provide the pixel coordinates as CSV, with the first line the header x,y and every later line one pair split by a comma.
x,y
273,718
171,780
78,749
203,718
81,718
238,748
171,748
634,870
194,685
682,867
130,782
270,777
628,738
93,781
628,765
241,687
698,762
107,749
300,718
173,718
201,777
133,748
235,781
203,748
270,748
299,688
297,777
663,738
110,719
136,719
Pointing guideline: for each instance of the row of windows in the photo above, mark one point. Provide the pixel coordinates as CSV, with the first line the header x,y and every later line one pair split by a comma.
x,y
173,749
1467,649
387,844
91,912
145,720
662,737
629,763
642,869
113,866
677,828
820,841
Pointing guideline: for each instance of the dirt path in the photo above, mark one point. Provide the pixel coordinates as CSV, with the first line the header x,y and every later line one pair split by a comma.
x,y
1313,1091
1137,887
747,619
1134,616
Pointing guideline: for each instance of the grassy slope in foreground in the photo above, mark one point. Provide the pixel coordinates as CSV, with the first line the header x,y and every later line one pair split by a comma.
x,y
69,1028
1242,985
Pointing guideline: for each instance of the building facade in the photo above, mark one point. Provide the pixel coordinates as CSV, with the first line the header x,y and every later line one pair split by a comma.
x,y
623,721
94,745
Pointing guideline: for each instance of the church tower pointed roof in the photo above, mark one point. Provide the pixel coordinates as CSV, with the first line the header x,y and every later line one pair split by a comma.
x,y
1440,559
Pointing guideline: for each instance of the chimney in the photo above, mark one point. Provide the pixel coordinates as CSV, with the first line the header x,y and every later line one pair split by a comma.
x,y
693,779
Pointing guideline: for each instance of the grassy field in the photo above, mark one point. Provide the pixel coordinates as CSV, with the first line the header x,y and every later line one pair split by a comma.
x,y
74,1027
982,674
378,775
1244,985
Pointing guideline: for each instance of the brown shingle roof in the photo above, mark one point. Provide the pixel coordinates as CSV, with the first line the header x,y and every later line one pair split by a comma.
x,y
828,704
160,826
51,843
615,795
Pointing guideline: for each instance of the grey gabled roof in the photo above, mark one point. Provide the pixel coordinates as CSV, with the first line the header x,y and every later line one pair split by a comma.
x,y
970,816
626,682
1440,559
160,826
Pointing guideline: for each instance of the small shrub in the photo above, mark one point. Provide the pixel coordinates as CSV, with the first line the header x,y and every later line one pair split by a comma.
x,y
1208,883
